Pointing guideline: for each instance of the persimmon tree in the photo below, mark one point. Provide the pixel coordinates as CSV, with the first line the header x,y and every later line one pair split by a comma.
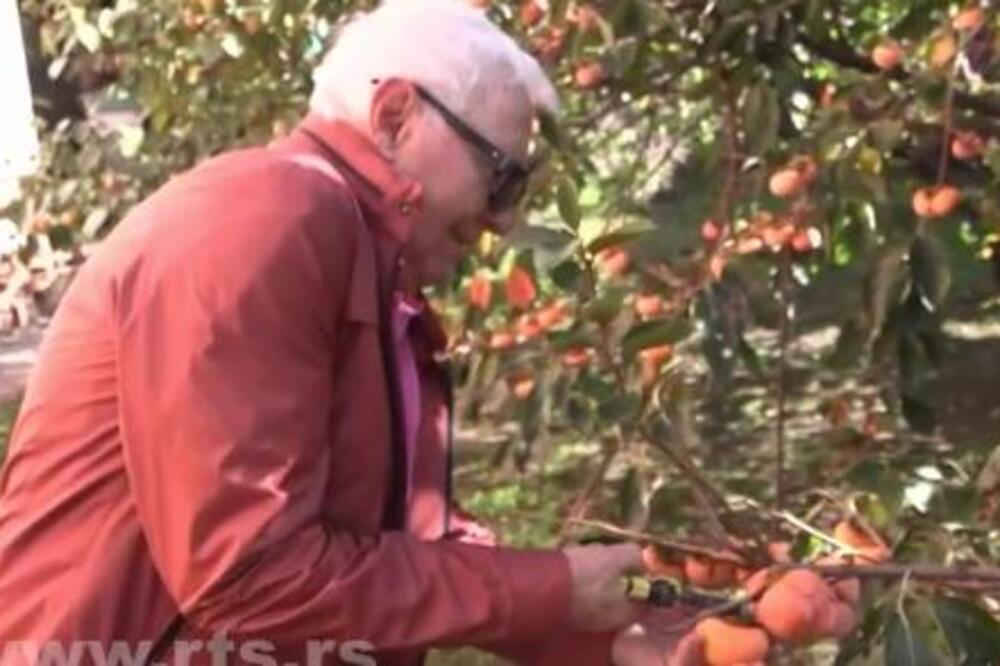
x,y
728,182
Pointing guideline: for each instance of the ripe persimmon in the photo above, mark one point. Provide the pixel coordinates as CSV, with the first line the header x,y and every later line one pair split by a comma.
x,y
531,13
648,305
552,316
656,563
870,545
729,644
711,231
922,201
588,75
887,55
613,261
658,355
943,50
479,292
805,240
577,357
501,340
970,18
967,145
520,288
791,607
652,359
786,183
946,198
807,168
528,327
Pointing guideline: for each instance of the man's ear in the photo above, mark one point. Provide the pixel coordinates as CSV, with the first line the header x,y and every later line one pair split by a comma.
x,y
393,105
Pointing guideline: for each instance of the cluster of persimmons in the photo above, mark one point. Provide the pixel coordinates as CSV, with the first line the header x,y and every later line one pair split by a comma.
x,y
888,55
793,606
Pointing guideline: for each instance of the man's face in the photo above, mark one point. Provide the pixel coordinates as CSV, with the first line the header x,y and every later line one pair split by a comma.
x,y
456,179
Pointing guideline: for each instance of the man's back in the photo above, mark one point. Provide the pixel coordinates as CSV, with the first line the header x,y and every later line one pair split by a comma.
x,y
69,529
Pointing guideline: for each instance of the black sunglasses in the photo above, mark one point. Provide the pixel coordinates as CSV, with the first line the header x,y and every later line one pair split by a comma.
x,y
510,178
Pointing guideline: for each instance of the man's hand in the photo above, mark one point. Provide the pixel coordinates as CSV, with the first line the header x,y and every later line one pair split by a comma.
x,y
599,602
650,643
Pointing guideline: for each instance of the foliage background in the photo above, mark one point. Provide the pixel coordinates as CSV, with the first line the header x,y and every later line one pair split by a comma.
x,y
865,360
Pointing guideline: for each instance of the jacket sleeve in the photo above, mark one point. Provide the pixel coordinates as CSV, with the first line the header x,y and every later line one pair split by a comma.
x,y
225,343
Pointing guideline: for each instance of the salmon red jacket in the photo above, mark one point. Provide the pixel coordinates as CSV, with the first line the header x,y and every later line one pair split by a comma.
x,y
209,442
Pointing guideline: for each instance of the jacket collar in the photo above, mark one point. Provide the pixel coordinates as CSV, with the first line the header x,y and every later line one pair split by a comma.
x,y
390,199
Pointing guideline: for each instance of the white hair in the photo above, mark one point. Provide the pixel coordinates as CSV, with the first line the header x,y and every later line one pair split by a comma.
x,y
446,46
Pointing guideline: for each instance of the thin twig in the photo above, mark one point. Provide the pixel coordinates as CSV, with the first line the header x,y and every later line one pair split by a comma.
x,y
667,544
785,301
809,529
921,572
581,504
949,105
732,157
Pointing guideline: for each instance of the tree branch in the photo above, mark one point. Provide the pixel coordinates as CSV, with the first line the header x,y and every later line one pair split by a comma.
x,y
845,56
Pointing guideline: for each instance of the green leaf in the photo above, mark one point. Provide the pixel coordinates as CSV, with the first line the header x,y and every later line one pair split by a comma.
x,y
551,131
565,340
878,479
919,413
883,286
760,118
905,647
620,236
750,357
973,634
886,134
619,409
654,333
593,386
535,237
931,271
567,198
605,307
567,275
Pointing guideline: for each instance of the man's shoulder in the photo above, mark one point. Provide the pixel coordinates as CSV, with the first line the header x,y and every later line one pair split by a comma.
x,y
253,192
248,212
272,179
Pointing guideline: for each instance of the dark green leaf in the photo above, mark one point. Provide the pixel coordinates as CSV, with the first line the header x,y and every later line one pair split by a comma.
x,y
930,270
567,199
567,275
619,409
620,236
605,307
973,634
653,333
760,118
918,413
564,340
883,286
904,645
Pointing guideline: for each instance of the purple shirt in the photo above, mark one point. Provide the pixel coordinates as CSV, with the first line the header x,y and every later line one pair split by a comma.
x,y
404,311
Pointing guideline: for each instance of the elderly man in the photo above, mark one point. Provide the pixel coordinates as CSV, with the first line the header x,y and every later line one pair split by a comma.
x,y
236,441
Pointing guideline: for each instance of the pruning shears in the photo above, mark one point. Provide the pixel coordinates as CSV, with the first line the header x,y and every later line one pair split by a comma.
x,y
667,593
